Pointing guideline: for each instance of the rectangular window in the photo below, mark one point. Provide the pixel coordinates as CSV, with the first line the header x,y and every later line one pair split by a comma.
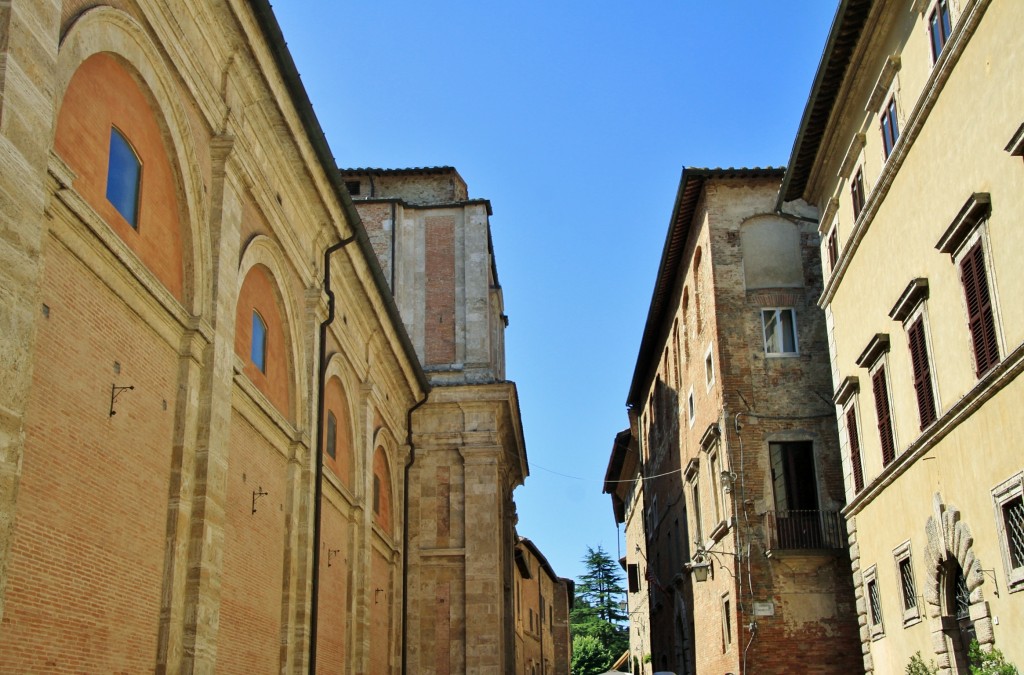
x,y
258,348
907,584
833,249
726,624
779,331
698,525
1009,502
332,434
890,127
857,191
691,407
709,369
922,372
874,607
124,176
633,577
376,494
939,28
980,317
880,387
1013,517
855,463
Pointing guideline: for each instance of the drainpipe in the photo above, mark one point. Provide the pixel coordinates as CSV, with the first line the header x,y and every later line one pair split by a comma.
x,y
318,493
405,529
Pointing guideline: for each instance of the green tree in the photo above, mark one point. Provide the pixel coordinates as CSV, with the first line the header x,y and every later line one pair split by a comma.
x,y
596,617
989,663
601,586
589,656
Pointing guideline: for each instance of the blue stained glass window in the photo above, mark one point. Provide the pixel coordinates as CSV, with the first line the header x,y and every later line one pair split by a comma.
x,y
124,172
258,351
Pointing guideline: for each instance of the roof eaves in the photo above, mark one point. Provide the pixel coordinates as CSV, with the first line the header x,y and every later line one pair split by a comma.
x,y
847,26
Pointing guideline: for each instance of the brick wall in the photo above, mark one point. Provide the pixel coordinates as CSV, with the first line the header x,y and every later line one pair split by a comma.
x,y
84,582
440,290
249,637
335,606
260,294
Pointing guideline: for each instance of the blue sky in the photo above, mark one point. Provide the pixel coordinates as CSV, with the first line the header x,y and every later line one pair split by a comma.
x,y
575,119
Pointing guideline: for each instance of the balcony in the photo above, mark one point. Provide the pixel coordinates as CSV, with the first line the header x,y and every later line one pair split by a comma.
x,y
804,531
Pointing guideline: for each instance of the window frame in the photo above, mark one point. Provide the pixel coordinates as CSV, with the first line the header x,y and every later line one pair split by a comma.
x,y
331,437
945,29
920,317
691,407
727,632
259,348
876,620
880,372
858,195
890,124
902,555
136,198
709,367
1003,494
851,412
777,311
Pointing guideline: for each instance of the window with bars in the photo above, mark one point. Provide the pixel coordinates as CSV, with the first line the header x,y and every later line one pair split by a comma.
x,y
874,602
980,315
939,28
922,372
880,388
1009,503
890,127
1013,518
907,585
855,462
857,191
908,588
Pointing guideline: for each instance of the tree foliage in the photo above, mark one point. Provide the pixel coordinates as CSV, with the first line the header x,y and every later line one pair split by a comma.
x,y
597,620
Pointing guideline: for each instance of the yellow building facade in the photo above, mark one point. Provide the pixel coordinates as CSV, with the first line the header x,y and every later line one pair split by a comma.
x,y
910,147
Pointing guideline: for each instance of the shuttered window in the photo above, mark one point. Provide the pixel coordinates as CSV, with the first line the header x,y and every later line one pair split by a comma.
x,y
980,318
922,373
855,464
881,391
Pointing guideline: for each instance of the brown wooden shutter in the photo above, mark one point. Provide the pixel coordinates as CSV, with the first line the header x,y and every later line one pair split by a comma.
x,y
922,373
851,430
881,391
833,250
980,318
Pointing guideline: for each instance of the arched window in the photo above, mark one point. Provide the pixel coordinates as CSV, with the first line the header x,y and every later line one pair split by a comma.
x,y
124,176
956,604
332,435
258,350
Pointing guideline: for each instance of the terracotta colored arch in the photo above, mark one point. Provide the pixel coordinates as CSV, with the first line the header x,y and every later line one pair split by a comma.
x,y
104,36
342,460
381,494
262,288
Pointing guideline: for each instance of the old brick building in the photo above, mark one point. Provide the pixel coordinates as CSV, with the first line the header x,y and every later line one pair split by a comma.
x,y
743,562
225,443
542,604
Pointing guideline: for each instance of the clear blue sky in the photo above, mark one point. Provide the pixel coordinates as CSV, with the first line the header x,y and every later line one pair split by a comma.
x,y
575,119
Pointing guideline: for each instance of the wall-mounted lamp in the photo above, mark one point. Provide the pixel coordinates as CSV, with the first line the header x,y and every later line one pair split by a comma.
x,y
699,567
256,494
116,391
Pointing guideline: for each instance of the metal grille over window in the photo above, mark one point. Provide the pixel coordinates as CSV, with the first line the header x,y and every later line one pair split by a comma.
x,y
963,596
907,581
1013,515
876,604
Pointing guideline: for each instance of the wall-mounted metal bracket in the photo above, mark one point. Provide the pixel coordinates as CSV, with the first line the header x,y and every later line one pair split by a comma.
x,y
331,552
116,391
256,494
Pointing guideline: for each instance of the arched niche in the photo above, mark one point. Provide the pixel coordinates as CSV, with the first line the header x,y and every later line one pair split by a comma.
x,y
111,74
771,253
336,405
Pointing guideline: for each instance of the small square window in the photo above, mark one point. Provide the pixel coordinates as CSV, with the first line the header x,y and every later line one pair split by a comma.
x,y
353,187
779,331
258,348
124,175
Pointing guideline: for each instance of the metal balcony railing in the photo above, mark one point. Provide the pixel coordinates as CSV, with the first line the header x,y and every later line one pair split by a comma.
x,y
804,530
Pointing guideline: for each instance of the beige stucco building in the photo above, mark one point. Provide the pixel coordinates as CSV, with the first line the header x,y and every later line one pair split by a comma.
x,y
910,148
742,557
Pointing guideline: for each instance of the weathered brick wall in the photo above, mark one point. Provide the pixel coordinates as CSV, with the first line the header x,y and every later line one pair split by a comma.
x,y
439,313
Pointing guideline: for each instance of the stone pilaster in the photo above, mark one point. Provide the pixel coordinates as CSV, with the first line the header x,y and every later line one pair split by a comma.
x,y
27,81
